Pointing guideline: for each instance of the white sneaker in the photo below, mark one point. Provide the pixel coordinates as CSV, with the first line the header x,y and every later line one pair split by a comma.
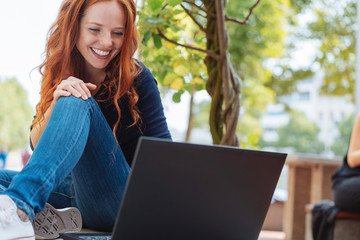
x,y
11,226
50,221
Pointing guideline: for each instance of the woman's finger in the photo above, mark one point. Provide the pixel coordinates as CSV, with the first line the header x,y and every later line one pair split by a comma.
x,y
63,93
85,89
81,89
69,87
59,93
91,86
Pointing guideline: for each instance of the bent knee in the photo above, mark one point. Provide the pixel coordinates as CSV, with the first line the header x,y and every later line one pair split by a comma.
x,y
74,102
71,98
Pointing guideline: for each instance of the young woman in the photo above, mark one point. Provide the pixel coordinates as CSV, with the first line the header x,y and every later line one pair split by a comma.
x,y
346,180
96,101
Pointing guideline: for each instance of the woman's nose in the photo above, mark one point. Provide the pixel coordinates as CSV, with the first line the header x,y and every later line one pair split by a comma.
x,y
106,40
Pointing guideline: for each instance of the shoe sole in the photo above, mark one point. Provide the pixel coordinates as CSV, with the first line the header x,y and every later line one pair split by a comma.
x,y
51,221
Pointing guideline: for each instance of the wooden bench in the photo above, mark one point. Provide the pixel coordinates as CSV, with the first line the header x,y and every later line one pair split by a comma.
x,y
309,181
347,225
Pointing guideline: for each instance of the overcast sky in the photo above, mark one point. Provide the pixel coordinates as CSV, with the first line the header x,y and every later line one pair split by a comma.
x,y
24,25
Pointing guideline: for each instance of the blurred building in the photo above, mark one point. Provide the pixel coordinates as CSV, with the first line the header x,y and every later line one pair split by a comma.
x,y
326,111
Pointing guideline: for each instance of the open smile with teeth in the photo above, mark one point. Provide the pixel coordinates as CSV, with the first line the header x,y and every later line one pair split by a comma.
x,y
100,52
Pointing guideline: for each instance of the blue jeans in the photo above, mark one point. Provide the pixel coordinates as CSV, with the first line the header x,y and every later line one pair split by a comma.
x,y
76,162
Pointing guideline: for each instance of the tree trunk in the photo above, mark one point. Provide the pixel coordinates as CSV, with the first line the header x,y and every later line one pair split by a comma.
x,y
191,117
223,84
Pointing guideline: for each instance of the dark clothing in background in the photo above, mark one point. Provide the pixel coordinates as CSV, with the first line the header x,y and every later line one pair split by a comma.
x,y
346,196
346,187
323,220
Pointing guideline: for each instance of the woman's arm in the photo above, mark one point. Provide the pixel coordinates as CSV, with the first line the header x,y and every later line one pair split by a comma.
x,y
151,108
354,147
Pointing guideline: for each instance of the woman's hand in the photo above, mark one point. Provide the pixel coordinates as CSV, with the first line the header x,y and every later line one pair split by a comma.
x,y
73,86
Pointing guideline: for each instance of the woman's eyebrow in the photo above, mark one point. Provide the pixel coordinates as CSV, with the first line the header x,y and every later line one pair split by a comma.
x,y
100,25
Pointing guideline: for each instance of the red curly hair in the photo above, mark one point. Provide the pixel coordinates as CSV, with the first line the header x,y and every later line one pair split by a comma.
x,y
62,58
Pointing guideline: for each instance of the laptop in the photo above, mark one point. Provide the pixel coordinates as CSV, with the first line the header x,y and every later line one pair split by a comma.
x,y
190,191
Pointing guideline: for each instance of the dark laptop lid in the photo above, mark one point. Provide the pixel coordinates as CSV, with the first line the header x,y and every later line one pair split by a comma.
x,y
190,191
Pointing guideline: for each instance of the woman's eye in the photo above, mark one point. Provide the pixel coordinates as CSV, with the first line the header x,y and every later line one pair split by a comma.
x,y
94,30
119,33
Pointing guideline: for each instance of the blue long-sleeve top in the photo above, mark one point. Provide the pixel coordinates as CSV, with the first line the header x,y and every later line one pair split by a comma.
x,y
153,121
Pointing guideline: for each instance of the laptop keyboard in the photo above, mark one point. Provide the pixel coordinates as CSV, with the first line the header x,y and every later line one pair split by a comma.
x,y
95,237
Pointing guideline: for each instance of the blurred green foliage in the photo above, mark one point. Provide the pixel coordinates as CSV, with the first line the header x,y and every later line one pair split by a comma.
x,y
15,114
300,134
330,26
341,144
334,27
176,68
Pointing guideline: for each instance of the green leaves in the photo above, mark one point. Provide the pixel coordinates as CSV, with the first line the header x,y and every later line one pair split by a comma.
x,y
146,37
177,96
154,20
176,68
155,4
334,29
173,3
181,70
252,139
157,41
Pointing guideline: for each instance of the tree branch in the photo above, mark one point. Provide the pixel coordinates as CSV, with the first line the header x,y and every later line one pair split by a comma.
x,y
235,20
201,9
193,18
193,4
210,53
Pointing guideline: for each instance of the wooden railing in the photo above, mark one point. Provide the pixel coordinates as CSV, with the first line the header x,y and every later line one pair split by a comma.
x,y
309,181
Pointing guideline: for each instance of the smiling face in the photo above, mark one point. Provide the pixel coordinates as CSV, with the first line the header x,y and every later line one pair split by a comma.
x,y
101,34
